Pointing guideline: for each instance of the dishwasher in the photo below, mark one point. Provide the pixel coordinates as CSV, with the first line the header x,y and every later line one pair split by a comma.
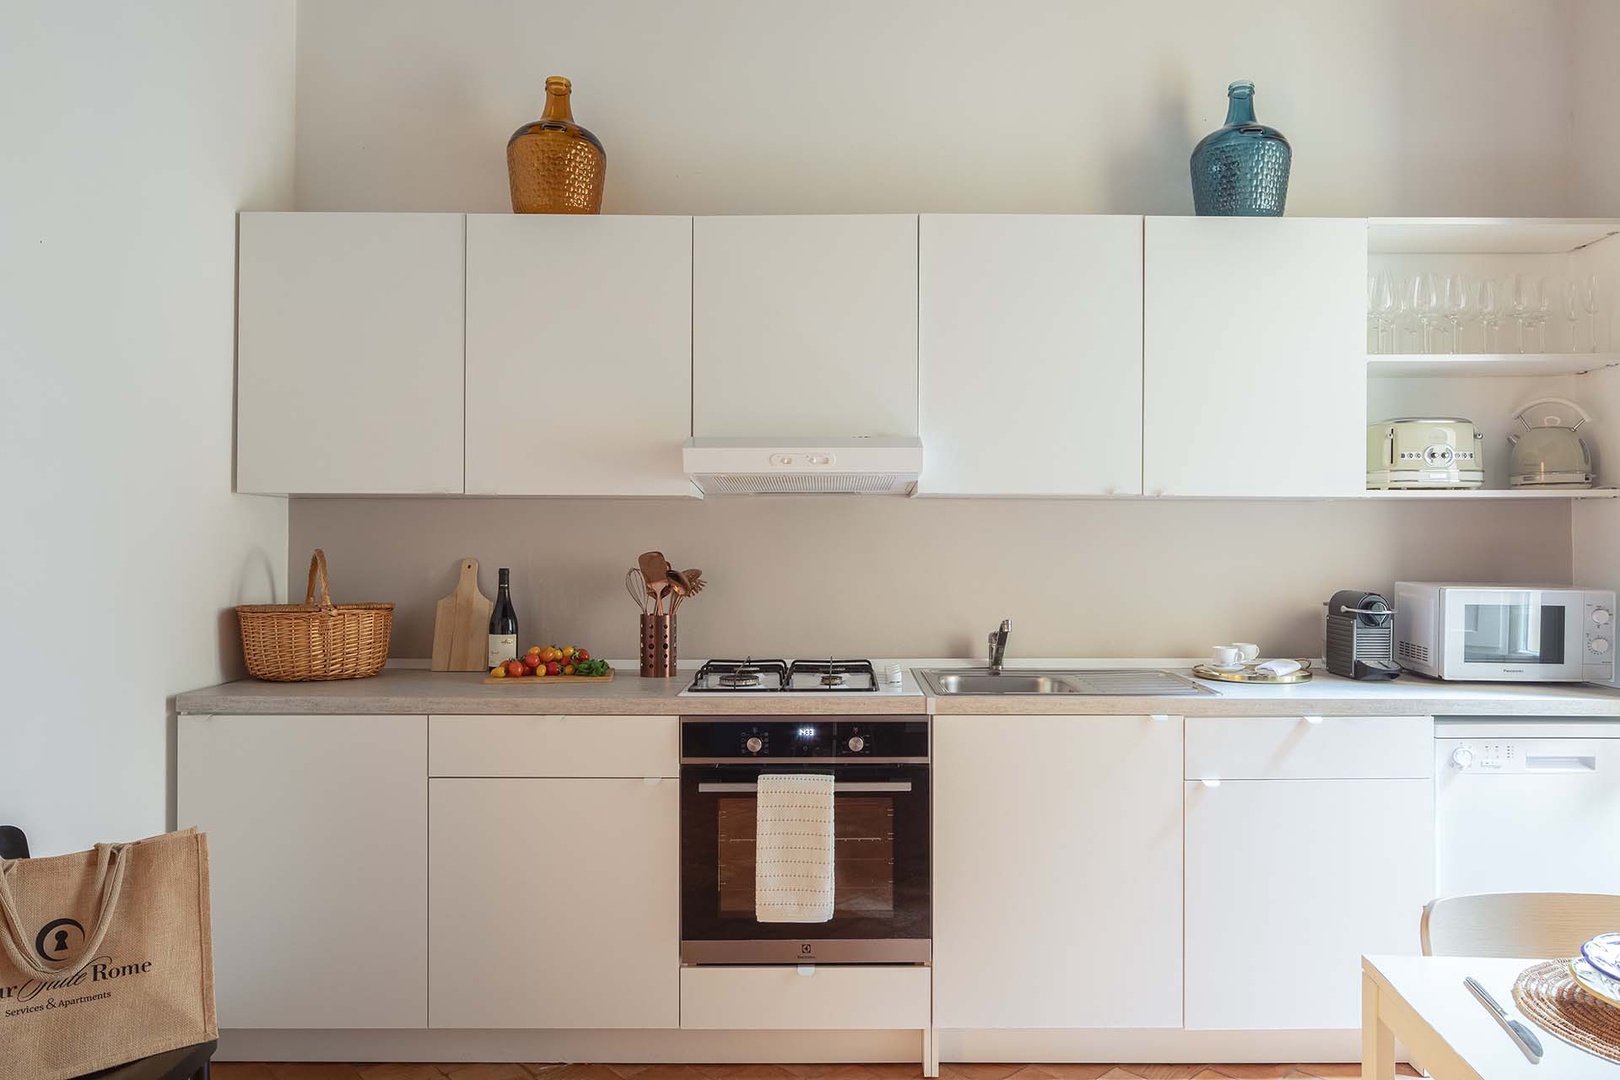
x,y
1527,804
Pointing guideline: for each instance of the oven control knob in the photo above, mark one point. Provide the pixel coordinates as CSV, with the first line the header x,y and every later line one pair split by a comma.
x,y
856,744
1600,645
754,744
1601,616
1462,757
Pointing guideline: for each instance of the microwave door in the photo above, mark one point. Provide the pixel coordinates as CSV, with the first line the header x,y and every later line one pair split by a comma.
x,y
1517,635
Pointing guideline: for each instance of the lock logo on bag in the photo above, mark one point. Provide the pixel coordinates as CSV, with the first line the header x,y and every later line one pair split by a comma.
x,y
59,939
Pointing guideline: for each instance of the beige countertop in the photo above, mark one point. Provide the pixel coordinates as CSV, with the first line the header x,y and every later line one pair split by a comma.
x,y
414,691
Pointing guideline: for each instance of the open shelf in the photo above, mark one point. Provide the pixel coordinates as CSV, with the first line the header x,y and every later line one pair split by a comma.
x,y
1425,365
1497,493
1485,236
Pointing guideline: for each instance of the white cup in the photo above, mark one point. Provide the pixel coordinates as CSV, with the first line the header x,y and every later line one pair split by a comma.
x,y
1227,656
1250,651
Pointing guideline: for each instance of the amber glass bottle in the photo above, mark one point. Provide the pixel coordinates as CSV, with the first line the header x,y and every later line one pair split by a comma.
x,y
554,165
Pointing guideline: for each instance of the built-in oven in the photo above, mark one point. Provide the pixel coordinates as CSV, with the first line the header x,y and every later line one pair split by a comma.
x,y
882,912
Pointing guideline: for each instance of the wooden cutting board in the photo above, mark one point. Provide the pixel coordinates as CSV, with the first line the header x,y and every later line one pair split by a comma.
x,y
461,625
546,680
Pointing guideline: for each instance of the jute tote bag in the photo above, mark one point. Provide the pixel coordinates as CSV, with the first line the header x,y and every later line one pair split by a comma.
x,y
105,956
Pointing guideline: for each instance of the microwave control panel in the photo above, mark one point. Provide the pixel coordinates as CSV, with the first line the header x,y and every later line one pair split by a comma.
x,y
1597,661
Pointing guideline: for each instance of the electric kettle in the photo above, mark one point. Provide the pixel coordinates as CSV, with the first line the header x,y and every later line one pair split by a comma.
x,y
1548,453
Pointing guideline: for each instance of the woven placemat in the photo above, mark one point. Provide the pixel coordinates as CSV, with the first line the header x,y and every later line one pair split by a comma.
x,y
1549,995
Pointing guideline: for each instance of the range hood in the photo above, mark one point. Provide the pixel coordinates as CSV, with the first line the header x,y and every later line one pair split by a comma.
x,y
771,466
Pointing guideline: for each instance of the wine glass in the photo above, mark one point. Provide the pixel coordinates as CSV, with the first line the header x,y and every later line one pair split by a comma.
x,y
1589,301
1424,304
1490,315
1384,311
1571,307
1459,305
1525,304
1543,311
1374,335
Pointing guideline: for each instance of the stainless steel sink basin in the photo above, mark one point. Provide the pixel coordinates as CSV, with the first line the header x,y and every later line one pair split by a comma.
x,y
982,682
1095,682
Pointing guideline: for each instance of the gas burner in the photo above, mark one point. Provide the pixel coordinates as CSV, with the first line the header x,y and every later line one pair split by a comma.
x,y
741,676
832,676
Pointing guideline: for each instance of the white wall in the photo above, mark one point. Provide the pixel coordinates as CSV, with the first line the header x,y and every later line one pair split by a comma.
x,y
132,135
728,106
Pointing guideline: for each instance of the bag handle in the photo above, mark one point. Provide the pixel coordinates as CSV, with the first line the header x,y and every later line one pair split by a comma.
x,y
111,862
317,572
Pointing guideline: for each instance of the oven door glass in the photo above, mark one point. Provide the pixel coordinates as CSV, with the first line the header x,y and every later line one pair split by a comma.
x,y
880,855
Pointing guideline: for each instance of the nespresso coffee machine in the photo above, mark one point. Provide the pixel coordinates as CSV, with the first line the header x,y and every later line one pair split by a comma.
x,y
1361,636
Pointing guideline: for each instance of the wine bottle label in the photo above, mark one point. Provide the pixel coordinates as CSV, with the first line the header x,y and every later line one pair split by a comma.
x,y
502,647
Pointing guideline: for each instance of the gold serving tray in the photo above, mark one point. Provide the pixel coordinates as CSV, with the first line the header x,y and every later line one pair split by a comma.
x,y
1249,675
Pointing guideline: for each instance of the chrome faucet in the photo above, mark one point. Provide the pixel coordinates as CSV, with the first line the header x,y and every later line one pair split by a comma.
x,y
998,646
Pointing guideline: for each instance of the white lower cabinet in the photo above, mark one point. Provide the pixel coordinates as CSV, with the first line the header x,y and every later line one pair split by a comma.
x,y
1289,882
819,998
1057,874
317,847
554,903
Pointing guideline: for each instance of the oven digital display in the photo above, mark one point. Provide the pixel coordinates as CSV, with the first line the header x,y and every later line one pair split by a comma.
x,y
807,733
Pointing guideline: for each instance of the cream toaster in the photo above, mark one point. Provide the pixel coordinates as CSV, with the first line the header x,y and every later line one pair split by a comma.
x,y
1425,452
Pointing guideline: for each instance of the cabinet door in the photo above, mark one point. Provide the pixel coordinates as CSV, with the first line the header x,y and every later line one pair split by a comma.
x,y
1255,367
579,354
349,354
1031,354
555,903
804,326
317,847
1289,882
1057,848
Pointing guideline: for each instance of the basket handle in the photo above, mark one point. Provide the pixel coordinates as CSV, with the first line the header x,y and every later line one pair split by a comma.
x,y
317,572
111,862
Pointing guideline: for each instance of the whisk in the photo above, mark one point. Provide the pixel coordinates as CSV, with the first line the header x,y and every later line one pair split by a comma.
x,y
636,586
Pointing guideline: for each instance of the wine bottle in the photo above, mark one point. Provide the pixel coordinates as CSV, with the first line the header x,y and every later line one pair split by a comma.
x,y
503,630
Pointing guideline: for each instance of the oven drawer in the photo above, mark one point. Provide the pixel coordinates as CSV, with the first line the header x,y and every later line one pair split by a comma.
x,y
553,746
812,998
1309,748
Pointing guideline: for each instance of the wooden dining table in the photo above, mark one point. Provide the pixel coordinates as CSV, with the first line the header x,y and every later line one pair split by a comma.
x,y
1420,1002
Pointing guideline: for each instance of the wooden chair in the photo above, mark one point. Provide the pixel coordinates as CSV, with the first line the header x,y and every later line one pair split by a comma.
x,y
186,1063
1528,925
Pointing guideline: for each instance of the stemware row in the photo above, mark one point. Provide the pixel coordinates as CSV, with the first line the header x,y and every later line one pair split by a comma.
x,y
1428,312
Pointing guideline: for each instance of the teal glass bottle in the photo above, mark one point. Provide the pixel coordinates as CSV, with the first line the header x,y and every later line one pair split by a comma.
x,y
1241,168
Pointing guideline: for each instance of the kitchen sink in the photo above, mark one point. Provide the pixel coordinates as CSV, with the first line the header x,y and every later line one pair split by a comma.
x,y
983,682
1096,682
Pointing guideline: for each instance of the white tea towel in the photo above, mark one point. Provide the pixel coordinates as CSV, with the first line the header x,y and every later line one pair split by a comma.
x,y
793,849
1278,668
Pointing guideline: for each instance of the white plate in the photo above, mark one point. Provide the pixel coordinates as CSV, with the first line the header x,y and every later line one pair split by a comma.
x,y
1225,667
1603,953
1594,982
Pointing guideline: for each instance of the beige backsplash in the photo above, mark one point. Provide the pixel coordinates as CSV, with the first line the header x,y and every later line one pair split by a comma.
x,y
923,577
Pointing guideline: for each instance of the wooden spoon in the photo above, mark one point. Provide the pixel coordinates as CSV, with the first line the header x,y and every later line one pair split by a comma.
x,y
655,569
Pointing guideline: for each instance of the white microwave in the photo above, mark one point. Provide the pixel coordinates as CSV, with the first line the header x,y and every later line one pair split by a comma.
x,y
1504,633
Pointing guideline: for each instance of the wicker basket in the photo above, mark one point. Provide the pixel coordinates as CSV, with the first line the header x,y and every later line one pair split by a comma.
x,y
311,641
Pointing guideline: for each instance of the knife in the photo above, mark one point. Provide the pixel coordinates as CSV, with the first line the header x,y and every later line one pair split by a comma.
x,y
1523,1036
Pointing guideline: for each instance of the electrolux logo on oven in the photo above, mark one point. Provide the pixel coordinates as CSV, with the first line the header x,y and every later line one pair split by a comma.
x,y
807,950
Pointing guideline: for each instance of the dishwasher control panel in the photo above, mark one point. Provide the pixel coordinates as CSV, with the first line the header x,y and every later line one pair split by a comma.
x,y
1517,755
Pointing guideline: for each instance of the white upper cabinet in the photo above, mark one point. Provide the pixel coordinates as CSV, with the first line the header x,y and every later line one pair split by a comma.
x,y
804,326
579,354
1255,356
349,354
1031,354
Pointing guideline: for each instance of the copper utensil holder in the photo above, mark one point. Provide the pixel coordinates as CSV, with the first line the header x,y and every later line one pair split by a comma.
x,y
657,646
